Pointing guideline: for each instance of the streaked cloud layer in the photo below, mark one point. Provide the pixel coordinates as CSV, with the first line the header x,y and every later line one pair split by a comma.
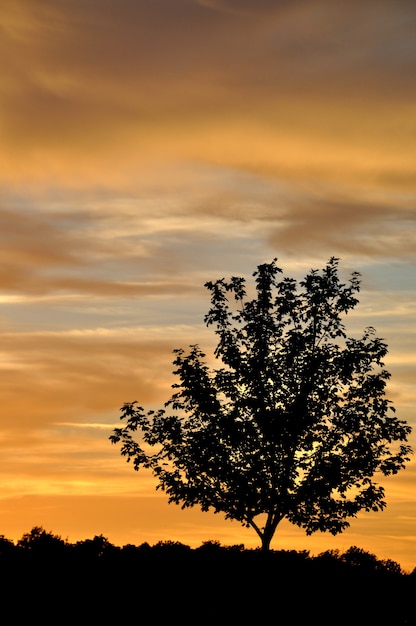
x,y
147,147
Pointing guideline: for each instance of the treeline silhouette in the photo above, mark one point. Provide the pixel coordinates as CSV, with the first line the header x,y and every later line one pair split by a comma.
x,y
89,581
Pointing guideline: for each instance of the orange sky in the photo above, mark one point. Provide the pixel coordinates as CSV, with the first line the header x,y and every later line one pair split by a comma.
x,y
147,147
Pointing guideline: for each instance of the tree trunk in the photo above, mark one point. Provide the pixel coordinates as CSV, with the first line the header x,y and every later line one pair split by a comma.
x,y
265,542
267,533
273,520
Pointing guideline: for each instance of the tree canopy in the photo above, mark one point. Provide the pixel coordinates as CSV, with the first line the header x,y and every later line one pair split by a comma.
x,y
293,424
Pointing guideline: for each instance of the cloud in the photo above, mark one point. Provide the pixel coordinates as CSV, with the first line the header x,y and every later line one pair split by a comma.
x,y
353,227
243,7
56,377
72,247
302,89
119,249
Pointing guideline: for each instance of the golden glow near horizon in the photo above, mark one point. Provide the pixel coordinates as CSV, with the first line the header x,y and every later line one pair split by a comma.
x,y
147,147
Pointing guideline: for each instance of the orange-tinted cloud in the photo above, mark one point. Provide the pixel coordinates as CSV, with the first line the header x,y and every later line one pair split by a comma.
x,y
304,89
53,377
352,227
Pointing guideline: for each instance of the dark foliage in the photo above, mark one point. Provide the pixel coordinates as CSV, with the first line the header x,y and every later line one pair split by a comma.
x,y
93,581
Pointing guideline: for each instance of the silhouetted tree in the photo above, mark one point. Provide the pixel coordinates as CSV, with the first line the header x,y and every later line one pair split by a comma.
x,y
391,567
357,557
7,546
294,425
174,548
98,546
41,543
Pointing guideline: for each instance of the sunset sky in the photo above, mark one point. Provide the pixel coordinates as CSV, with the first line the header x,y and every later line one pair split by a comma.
x,y
148,146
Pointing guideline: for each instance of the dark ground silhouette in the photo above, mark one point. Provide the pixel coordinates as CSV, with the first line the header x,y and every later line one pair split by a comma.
x,y
45,577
